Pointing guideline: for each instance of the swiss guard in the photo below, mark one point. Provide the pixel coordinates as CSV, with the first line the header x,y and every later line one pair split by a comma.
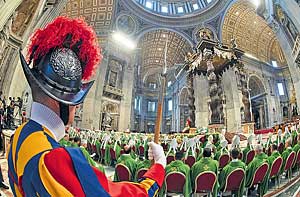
x,y
64,56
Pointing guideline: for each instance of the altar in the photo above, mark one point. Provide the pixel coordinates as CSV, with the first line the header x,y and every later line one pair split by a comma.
x,y
248,127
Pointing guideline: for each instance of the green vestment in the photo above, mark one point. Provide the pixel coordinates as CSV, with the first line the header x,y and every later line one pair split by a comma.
x,y
203,165
221,152
179,166
251,169
90,160
246,151
142,164
128,161
285,155
227,170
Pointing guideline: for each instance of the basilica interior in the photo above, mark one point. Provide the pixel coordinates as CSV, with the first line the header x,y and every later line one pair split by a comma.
x,y
212,64
141,39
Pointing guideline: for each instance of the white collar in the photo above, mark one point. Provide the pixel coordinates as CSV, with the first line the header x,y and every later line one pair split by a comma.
x,y
49,119
235,160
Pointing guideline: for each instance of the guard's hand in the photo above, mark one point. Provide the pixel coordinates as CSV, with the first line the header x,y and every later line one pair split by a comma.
x,y
157,154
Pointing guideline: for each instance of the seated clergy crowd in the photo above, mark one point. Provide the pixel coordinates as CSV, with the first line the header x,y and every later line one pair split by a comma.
x,y
196,163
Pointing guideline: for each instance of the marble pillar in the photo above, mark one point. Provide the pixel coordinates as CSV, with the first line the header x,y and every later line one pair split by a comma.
x,y
233,104
126,102
201,96
293,68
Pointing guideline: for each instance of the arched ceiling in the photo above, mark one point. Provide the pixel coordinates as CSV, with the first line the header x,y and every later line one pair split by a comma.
x,y
98,13
152,46
252,33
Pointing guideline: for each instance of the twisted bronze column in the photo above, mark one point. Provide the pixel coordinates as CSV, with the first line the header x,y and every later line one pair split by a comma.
x,y
191,98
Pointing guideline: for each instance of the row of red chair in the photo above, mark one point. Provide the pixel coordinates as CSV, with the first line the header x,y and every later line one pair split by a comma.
x,y
206,181
124,173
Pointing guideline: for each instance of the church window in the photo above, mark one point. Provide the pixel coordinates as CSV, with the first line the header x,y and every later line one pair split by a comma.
x,y
274,64
149,4
170,105
151,106
164,9
195,6
180,9
280,89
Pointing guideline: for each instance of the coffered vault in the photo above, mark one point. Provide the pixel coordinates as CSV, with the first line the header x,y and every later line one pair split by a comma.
x,y
252,33
153,45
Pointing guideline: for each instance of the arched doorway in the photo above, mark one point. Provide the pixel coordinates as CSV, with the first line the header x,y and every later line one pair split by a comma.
x,y
258,102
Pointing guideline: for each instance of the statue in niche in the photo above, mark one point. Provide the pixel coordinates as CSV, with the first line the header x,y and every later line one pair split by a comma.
x,y
205,33
106,121
279,14
295,111
113,78
288,24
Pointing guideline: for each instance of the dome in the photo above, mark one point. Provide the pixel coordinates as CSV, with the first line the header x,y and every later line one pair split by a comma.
x,y
174,8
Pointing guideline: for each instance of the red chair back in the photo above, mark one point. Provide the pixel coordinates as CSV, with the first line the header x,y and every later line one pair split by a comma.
x,y
276,166
250,156
205,182
112,154
240,156
234,180
133,148
165,146
260,174
269,152
297,160
170,158
89,146
202,139
141,150
141,172
289,161
224,160
280,147
174,182
94,148
123,172
102,152
190,160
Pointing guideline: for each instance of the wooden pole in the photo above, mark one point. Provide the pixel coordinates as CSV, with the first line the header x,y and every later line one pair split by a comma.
x,y
160,108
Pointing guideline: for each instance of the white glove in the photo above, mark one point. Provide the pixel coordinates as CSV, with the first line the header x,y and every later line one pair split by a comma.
x,y
156,152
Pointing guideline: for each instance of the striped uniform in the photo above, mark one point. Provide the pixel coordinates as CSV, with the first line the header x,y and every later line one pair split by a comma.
x,y
39,166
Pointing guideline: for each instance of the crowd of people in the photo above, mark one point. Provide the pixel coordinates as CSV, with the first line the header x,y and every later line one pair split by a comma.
x,y
10,111
114,148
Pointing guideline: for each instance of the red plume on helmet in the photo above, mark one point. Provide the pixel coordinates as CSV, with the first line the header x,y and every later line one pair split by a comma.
x,y
71,33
